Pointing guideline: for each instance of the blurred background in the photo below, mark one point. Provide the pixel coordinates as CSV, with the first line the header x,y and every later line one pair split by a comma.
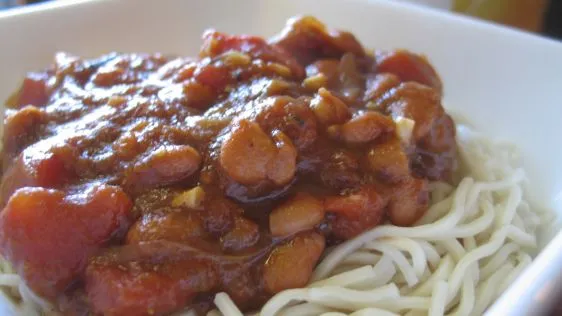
x,y
538,16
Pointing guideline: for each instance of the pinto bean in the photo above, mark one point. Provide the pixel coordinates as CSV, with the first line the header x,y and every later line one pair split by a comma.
x,y
436,153
409,202
290,265
379,84
329,109
20,128
282,168
300,213
363,128
170,226
291,116
355,212
246,153
166,165
417,102
389,161
244,234
308,39
250,156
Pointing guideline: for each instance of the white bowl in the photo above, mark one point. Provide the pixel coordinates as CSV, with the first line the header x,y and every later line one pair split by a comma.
x,y
507,83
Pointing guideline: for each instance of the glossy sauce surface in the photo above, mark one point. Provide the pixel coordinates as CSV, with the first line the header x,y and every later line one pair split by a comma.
x,y
143,184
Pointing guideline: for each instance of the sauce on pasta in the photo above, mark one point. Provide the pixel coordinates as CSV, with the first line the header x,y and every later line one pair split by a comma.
x,y
139,184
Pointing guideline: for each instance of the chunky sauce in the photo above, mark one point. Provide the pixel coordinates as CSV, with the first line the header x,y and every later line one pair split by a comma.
x,y
143,184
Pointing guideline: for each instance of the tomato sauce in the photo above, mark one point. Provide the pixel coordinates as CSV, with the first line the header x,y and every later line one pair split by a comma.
x,y
138,184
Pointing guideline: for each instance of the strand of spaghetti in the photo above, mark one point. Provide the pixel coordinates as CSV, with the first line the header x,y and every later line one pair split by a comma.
x,y
404,303
470,244
431,252
364,312
486,291
524,261
214,312
518,222
474,193
10,280
348,278
417,255
453,247
361,258
341,251
436,211
329,296
498,259
440,191
226,306
466,298
351,300
522,238
304,309
189,312
473,256
469,230
516,177
440,274
399,259
384,270
405,289
438,299
371,311
514,198
530,218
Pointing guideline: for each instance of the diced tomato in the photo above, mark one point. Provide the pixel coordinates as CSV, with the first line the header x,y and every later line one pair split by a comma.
x,y
216,43
48,235
20,128
355,213
146,288
36,168
212,76
409,67
309,40
33,90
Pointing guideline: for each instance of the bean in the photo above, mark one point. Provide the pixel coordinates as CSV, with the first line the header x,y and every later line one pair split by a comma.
x,y
356,204
308,40
290,265
379,84
356,212
291,116
166,165
363,128
243,235
409,202
417,102
20,128
389,161
282,168
170,226
302,212
249,155
329,109
246,153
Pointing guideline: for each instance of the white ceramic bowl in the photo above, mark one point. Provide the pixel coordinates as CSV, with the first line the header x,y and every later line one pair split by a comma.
x,y
507,83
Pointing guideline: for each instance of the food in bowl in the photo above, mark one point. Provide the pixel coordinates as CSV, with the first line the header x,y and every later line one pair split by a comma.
x,y
297,176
